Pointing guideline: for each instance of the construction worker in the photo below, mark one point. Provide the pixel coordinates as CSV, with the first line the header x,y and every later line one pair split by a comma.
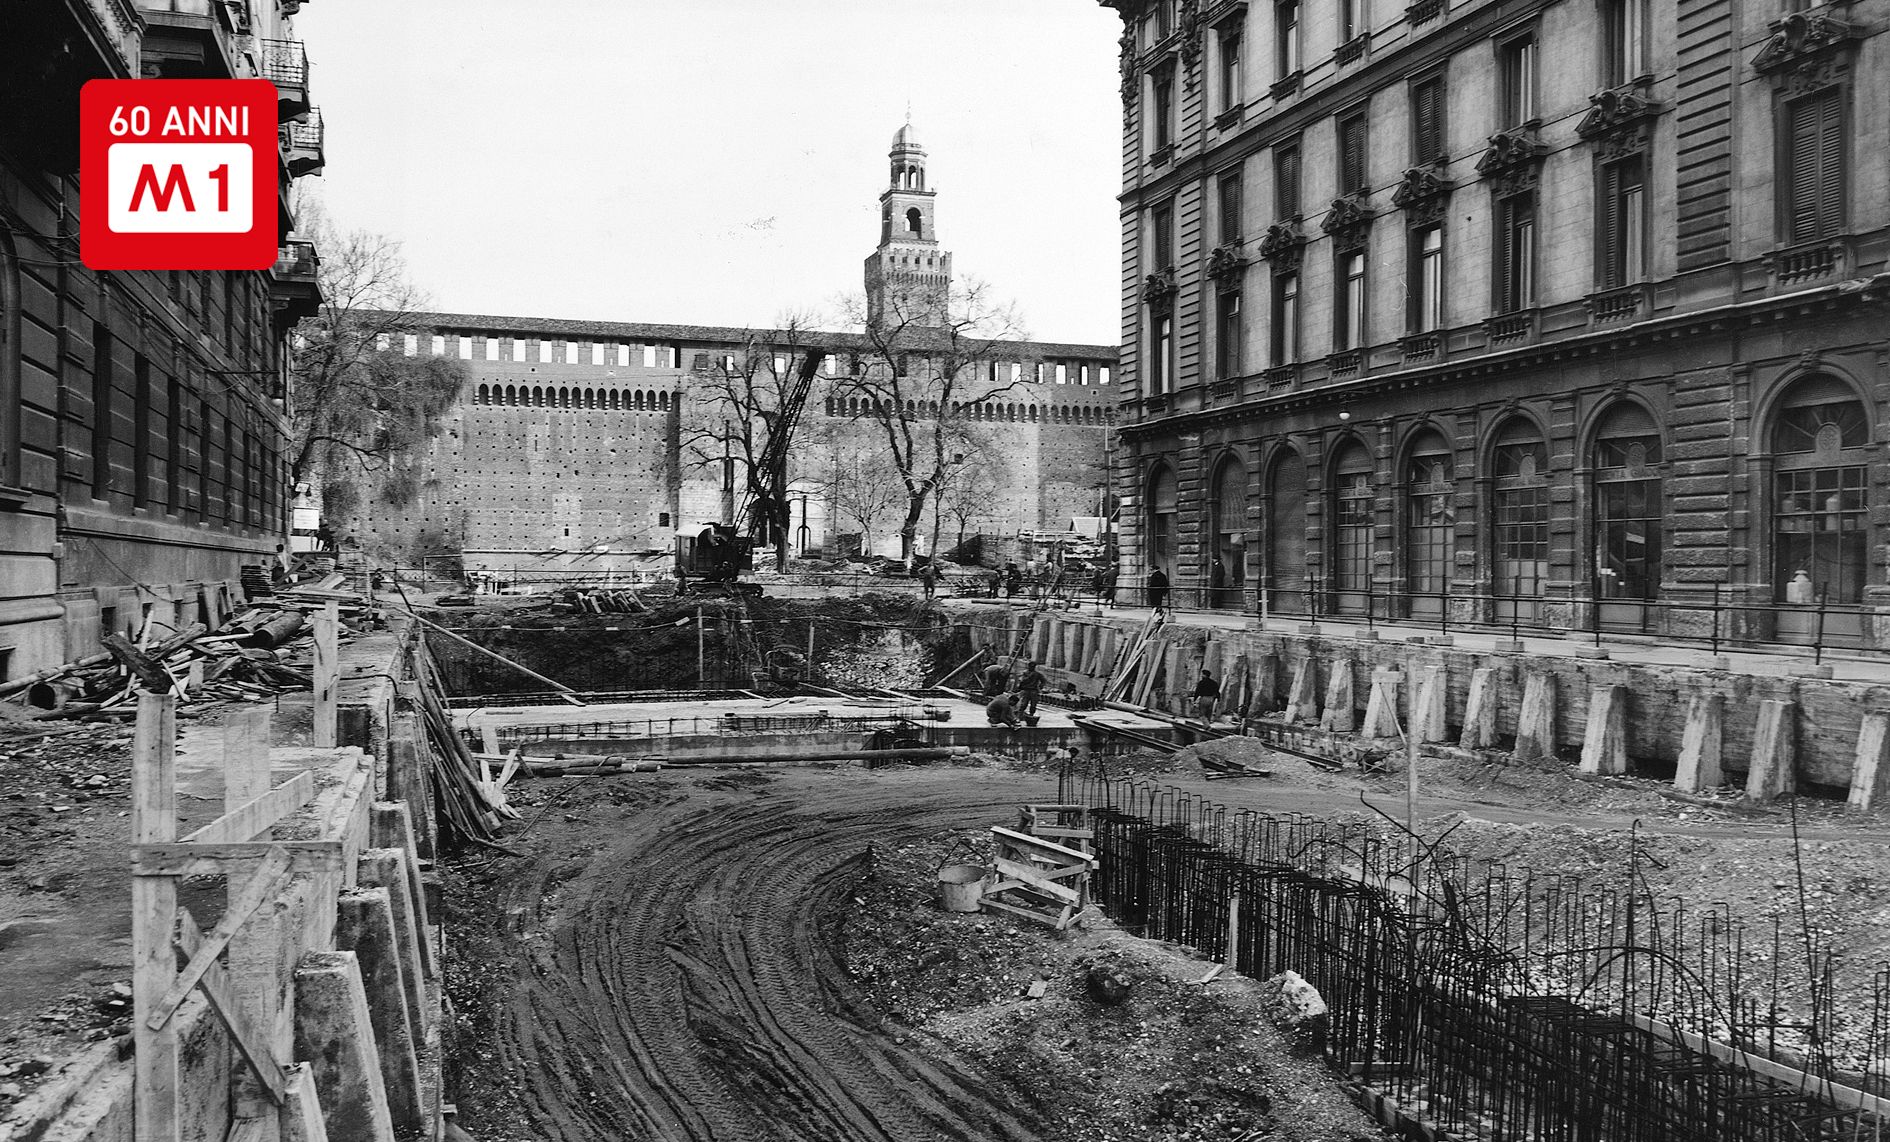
x,y
1013,580
1002,711
1029,689
928,577
1207,692
997,679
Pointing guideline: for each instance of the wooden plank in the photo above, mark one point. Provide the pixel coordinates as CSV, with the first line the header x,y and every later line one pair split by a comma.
x,y
1797,1080
177,858
1017,910
255,816
215,984
1039,846
264,883
148,671
155,1099
327,675
1036,883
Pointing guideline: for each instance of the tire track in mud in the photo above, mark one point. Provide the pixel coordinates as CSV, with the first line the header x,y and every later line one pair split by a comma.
x,y
677,986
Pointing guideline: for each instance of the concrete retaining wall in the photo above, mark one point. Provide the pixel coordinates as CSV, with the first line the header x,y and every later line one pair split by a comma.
x,y
1826,717
346,955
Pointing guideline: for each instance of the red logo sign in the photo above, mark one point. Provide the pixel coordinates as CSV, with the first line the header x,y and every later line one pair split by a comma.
x,y
177,174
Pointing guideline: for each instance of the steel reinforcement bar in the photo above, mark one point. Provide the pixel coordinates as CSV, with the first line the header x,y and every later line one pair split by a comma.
x,y
1504,1005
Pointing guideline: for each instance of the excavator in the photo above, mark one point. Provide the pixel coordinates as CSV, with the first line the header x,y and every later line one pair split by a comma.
x,y
713,560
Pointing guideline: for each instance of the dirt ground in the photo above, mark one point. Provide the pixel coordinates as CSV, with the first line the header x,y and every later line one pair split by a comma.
x,y
65,884
756,955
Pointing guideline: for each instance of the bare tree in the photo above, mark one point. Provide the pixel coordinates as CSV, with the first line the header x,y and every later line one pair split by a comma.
x,y
966,493
862,485
752,400
919,377
359,405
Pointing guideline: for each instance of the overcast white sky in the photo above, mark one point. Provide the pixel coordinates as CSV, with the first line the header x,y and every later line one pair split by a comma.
x,y
719,162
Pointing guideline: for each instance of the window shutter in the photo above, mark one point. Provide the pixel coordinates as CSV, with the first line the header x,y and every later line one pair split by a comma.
x,y
1287,178
1804,119
1428,107
1830,165
1352,159
1505,254
1611,225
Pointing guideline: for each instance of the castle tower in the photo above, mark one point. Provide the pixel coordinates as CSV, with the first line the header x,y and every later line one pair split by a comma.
x,y
908,279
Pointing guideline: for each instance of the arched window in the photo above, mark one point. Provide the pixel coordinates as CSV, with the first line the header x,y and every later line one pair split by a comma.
x,y
662,401
1820,481
511,395
915,223
1352,515
1163,507
1286,534
1430,524
1628,524
1227,534
480,396
538,396
1519,515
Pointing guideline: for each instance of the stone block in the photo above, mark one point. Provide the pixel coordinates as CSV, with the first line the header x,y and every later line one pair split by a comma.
x,y
302,1108
1381,707
335,1034
1698,768
364,925
1479,712
1871,773
1340,717
1604,740
1302,699
1431,718
1774,767
1535,725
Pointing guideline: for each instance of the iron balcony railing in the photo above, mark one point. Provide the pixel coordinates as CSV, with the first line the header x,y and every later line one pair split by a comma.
x,y
296,259
305,135
285,63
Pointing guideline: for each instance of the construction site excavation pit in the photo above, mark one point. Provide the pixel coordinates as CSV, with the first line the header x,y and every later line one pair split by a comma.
x,y
717,916
720,906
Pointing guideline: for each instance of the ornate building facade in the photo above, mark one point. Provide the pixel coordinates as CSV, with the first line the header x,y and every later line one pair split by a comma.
x,y
142,441
1566,314
582,443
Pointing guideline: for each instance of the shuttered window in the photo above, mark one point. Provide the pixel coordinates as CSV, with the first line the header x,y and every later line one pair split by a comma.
x,y
1515,252
1622,225
1352,154
1814,166
1230,207
1286,180
1427,122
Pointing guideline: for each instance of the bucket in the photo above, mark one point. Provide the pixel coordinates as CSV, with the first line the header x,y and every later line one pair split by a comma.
x,y
959,887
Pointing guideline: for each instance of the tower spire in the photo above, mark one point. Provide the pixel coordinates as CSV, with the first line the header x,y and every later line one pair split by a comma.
x,y
908,279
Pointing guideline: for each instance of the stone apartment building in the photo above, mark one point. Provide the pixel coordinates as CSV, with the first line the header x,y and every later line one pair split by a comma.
x,y
141,447
577,443
1562,313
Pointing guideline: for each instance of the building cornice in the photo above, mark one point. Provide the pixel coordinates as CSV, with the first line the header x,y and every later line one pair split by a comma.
x,y
1667,327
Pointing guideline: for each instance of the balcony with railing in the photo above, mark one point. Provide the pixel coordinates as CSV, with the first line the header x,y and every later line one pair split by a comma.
x,y
302,144
285,64
294,285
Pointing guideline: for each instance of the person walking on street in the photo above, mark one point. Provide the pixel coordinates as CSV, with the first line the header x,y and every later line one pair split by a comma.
x,y
1157,589
1029,689
1109,586
1207,692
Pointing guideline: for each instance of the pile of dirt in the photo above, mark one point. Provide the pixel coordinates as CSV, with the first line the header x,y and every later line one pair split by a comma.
x,y
1179,1060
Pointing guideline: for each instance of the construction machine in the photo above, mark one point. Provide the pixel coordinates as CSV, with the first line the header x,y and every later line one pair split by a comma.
x,y
713,560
